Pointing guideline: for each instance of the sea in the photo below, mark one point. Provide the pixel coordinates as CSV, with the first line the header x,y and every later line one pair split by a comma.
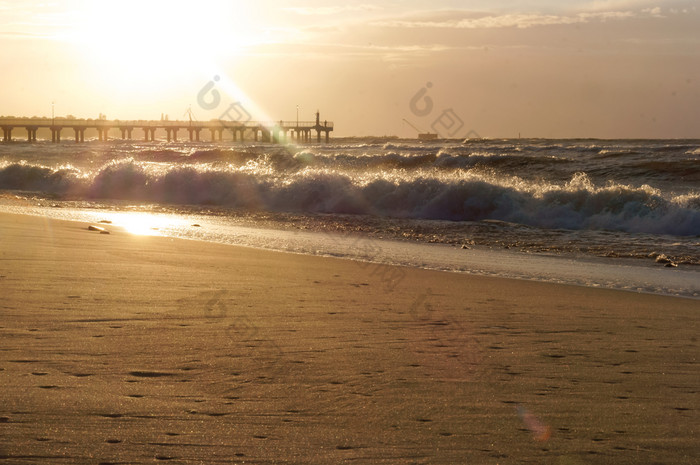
x,y
618,214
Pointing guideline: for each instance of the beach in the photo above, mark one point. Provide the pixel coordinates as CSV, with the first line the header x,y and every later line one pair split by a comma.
x,y
119,348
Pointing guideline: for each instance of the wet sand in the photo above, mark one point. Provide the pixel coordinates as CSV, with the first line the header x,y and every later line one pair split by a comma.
x,y
131,349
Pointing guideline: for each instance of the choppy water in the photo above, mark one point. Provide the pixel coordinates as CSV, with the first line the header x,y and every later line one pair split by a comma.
x,y
577,198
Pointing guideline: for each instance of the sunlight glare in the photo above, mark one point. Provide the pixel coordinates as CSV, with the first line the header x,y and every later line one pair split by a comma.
x,y
155,42
145,224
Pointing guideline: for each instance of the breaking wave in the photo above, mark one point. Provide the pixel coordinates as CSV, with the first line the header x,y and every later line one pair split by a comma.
x,y
575,204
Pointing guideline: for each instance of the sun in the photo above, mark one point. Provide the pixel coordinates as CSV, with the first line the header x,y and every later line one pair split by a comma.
x,y
155,44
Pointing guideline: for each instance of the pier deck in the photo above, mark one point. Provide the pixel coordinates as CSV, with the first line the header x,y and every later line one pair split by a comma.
x,y
273,131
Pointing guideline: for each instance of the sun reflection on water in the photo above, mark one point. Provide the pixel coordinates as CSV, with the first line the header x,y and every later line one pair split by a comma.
x,y
145,224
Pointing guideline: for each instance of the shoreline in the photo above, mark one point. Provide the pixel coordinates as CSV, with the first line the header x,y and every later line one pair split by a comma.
x,y
123,348
621,273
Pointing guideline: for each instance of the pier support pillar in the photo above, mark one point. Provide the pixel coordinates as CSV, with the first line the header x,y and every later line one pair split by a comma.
x,y
31,133
7,134
194,134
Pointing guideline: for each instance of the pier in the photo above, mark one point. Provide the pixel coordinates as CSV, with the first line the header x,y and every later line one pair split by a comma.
x,y
275,132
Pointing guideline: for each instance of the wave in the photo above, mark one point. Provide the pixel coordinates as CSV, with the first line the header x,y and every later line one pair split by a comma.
x,y
685,170
410,147
25,177
443,159
495,160
616,153
577,204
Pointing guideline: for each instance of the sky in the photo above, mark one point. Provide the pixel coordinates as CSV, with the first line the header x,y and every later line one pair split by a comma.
x,y
554,69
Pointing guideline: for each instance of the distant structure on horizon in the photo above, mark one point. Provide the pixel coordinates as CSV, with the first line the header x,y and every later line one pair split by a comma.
x,y
422,135
276,132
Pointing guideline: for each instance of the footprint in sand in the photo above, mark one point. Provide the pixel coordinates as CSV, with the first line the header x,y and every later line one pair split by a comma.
x,y
150,374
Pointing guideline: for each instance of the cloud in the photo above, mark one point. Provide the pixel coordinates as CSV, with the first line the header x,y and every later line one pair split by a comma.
x,y
331,10
24,35
520,21
653,11
638,5
336,50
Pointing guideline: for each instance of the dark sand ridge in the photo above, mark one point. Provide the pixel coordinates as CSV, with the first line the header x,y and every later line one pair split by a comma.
x,y
127,349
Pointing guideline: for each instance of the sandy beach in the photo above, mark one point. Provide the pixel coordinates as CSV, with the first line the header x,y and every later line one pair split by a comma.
x,y
133,349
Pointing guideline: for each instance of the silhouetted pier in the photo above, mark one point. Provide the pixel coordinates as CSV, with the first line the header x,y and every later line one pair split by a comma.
x,y
277,132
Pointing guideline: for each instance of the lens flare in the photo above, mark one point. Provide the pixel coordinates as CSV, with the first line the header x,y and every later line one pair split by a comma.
x,y
540,431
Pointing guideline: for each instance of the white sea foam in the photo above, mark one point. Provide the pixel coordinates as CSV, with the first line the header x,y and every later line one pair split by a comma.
x,y
630,275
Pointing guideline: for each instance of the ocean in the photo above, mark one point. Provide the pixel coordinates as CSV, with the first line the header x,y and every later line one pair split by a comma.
x,y
620,214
